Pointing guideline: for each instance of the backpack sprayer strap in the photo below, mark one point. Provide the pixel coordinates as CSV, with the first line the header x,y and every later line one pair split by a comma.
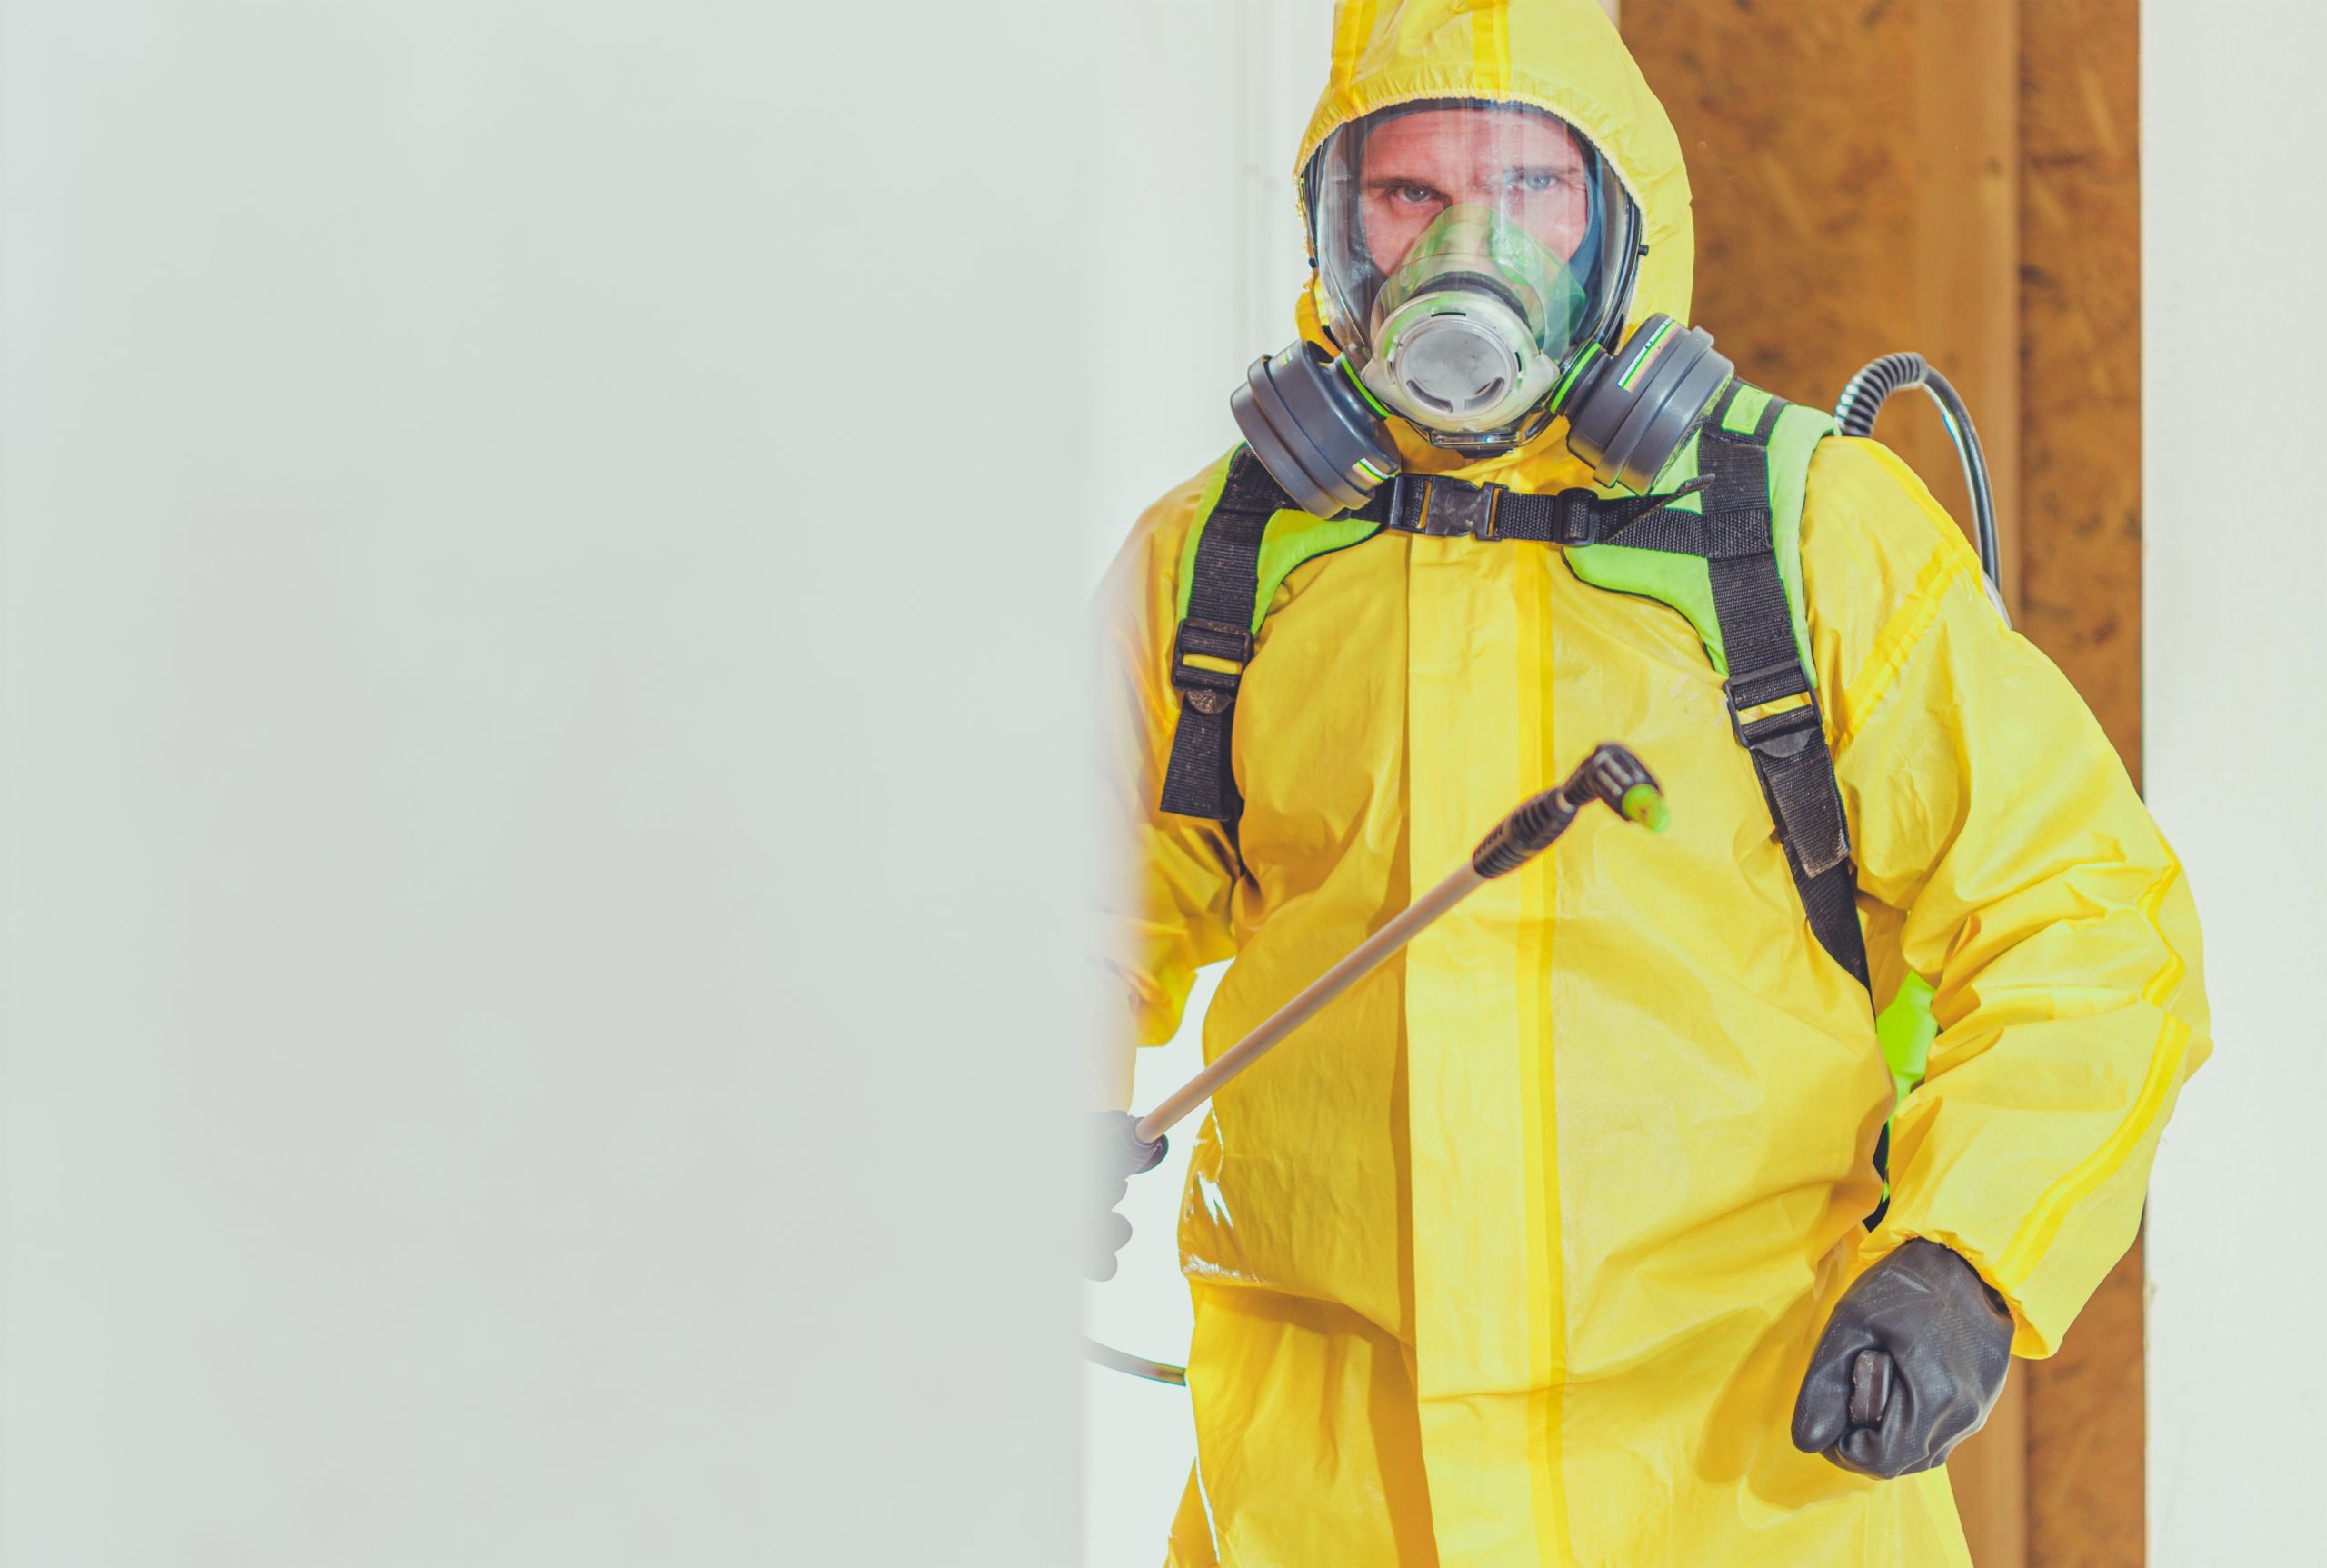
x,y
1214,642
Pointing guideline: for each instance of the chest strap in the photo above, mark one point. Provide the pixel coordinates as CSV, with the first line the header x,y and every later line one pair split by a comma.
x,y
1438,507
1215,639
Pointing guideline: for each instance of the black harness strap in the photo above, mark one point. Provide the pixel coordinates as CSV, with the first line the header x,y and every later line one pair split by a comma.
x,y
1201,778
1788,745
1439,507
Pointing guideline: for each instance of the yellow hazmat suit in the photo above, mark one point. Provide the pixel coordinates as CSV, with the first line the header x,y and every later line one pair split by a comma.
x,y
1518,1254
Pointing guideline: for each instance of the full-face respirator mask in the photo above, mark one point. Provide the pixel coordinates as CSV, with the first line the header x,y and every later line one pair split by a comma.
x,y
1476,262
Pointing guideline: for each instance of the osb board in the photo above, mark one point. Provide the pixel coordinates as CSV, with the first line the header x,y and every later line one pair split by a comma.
x,y
2080,196
2086,1431
2081,351
1805,209
1799,120
1802,120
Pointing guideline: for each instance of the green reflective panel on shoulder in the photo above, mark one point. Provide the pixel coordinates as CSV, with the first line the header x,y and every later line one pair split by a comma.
x,y
1293,539
1683,583
1906,1029
1214,482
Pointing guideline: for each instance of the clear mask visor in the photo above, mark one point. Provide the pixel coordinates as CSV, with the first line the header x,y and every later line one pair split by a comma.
x,y
1469,253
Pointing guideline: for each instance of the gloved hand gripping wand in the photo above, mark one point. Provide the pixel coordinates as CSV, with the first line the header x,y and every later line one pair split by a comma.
x,y
1611,774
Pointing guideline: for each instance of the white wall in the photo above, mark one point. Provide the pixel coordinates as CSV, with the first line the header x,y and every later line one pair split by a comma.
x,y
1206,103
532,875
2234,221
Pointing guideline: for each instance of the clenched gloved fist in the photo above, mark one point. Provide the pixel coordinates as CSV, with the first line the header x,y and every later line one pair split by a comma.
x,y
1910,1366
1116,1156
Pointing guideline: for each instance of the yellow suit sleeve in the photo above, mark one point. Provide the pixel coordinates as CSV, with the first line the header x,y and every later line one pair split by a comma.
x,y
1164,902
2005,857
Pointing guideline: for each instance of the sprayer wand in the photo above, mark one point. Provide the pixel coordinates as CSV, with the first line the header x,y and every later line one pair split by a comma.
x,y
1611,774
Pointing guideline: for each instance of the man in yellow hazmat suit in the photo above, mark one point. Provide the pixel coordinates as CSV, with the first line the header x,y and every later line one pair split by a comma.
x,y
1547,1243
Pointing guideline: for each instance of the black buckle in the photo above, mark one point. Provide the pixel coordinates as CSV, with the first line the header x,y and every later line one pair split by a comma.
x,y
1209,691
1437,507
1579,518
1777,735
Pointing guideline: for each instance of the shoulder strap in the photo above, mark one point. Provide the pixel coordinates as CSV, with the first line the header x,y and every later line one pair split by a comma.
x,y
1771,706
1214,641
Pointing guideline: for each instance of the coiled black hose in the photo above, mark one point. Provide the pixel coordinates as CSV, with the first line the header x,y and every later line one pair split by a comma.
x,y
1862,398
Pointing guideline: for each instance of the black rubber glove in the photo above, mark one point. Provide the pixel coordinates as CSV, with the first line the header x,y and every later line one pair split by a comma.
x,y
1116,1156
1910,1366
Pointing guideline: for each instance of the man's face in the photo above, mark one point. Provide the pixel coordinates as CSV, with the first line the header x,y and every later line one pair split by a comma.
x,y
1525,166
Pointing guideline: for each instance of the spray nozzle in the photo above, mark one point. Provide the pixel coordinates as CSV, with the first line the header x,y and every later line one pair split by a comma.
x,y
1612,774
1644,804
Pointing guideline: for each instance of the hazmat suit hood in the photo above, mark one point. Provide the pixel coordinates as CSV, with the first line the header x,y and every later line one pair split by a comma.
x,y
1562,56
